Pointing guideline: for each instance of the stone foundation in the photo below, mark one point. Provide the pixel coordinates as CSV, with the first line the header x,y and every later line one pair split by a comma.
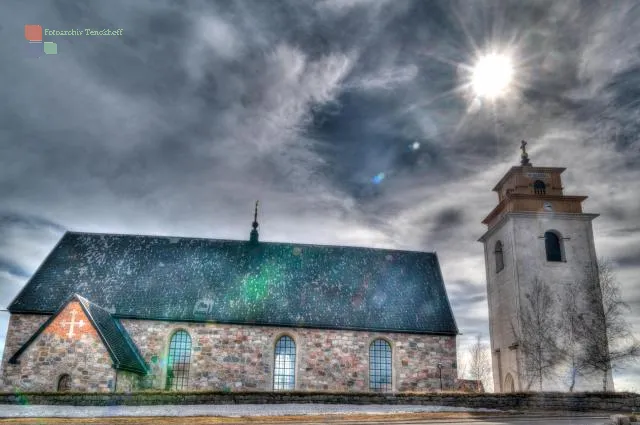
x,y
557,402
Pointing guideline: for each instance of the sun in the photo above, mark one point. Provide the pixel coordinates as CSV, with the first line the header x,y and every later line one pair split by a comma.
x,y
492,75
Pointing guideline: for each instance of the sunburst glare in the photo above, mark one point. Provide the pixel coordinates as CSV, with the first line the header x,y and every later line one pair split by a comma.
x,y
492,75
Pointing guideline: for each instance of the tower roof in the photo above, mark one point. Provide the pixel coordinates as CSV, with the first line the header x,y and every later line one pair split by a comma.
x,y
526,170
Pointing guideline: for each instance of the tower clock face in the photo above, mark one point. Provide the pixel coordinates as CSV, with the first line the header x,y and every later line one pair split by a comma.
x,y
547,206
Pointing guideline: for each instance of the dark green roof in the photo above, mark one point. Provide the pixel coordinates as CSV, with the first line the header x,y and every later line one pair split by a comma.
x,y
282,284
121,348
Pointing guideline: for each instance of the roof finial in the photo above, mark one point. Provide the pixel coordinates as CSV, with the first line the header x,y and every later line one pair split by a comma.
x,y
524,158
253,236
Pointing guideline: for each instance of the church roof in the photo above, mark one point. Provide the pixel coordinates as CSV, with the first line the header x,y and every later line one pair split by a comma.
x,y
226,281
121,348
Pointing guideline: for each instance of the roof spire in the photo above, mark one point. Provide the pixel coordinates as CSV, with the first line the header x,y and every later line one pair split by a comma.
x,y
524,158
253,236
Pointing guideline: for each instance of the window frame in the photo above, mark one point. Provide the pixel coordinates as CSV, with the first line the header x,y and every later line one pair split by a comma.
x,y
558,242
387,361
288,370
170,384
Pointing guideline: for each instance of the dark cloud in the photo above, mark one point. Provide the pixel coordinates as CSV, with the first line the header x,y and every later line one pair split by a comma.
x,y
14,269
9,221
448,218
629,259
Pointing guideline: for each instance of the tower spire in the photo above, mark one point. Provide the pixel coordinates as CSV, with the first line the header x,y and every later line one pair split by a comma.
x,y
524,158
253,236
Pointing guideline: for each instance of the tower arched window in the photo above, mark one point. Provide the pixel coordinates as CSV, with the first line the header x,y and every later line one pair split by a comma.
x,y
284,368
179,361
552,246
499,257
64,383
539,188
509,386
380,370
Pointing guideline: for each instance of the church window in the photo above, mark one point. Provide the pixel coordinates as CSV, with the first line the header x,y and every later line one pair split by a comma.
x,y
285,362
539,188
499,257
552,246
179,361
64,383
380,366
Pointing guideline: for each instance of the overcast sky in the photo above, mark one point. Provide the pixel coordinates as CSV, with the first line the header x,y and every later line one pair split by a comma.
x,y
200,108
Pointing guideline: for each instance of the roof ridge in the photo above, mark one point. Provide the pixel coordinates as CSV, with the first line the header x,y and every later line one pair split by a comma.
x,y
302,244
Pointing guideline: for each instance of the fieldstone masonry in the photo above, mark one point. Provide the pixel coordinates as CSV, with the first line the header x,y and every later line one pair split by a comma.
x,y
228,357
223,357
69,345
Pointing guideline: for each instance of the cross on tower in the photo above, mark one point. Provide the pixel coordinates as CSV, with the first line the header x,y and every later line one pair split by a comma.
x,y
73,323
525,156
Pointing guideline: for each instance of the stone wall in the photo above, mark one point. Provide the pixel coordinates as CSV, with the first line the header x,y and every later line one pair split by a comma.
x,y
223,357
21,327
127,381
236,357
567,402
56,351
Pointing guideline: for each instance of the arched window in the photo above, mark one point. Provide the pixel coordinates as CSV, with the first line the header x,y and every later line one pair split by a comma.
x,y
552,246
380,366
509,387
64,383
179,361
284,368
539,188
499,257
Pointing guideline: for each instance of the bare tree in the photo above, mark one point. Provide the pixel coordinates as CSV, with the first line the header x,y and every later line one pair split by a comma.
x,y
480,363
462,363
537,335
608,341
571,334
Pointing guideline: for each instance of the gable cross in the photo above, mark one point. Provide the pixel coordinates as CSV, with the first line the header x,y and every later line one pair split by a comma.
x,y
73,323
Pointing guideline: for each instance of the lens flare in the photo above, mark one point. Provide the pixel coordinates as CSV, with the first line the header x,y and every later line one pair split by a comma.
x,y
377,179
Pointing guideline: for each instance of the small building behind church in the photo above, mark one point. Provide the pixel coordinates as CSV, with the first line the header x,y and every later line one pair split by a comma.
x,y
108,313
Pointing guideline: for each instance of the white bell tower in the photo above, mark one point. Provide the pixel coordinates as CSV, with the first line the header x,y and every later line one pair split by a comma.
x,y
535,232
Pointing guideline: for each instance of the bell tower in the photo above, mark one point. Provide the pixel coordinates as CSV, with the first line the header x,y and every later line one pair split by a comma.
x,y
534,232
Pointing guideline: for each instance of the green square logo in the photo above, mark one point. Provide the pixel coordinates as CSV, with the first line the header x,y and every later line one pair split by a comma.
x,y
50,48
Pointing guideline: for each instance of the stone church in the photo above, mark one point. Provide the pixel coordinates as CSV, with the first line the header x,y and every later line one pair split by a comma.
x,y
535,232
108,312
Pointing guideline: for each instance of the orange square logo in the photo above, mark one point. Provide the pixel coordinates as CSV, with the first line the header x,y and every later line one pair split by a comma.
x,y
33,32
